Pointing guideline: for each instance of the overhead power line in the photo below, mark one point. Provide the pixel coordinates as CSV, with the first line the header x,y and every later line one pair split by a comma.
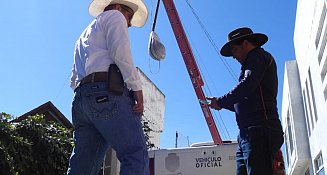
x,y
229,69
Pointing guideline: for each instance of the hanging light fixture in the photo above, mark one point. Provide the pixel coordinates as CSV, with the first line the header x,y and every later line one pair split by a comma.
x,y
156,49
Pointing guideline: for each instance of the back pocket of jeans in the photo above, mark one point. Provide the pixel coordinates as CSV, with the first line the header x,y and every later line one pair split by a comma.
x,y
103,105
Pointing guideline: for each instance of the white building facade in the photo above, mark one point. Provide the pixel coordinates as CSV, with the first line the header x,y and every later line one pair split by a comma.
x,y
304,108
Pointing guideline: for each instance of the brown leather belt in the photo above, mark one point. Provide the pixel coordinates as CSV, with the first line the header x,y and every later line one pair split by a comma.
x,y
95,77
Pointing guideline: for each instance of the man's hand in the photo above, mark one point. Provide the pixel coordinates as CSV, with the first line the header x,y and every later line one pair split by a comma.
x,y
138,107
213,103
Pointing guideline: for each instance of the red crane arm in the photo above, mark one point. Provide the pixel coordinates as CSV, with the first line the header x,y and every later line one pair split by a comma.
x,y
191,66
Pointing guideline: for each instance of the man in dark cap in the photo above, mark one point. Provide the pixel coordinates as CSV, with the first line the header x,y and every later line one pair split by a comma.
x,y
254,102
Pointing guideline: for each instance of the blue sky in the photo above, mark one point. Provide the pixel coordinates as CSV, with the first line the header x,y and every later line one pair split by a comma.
x,y
38,40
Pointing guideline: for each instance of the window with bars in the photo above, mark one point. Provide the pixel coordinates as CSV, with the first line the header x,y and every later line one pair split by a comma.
x,y
322,47
289,131
313,96
323,72
288,153
307,172
306,112
319,165
321,24
309,105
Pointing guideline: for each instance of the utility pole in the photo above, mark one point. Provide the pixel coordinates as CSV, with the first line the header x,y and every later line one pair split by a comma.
x,y
176,139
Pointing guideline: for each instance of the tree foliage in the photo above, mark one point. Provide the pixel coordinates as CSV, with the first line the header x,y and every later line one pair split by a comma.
x,y
38,147
33,146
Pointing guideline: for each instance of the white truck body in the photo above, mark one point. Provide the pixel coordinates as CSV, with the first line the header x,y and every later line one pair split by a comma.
x,y
203,160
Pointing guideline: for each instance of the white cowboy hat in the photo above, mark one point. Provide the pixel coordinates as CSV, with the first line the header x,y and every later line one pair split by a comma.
x,y
140,11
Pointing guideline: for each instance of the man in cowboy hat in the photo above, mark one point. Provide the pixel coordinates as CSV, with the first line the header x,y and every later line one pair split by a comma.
x,y
102,118
254,102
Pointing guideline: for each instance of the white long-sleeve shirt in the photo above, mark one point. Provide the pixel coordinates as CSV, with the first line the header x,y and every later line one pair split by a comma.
x,y
105,41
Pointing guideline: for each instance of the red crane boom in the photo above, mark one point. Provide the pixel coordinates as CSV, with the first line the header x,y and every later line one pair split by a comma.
x,y
191,66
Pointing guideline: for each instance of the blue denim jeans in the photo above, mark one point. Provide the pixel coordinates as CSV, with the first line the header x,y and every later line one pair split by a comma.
x,y
102,119
257,147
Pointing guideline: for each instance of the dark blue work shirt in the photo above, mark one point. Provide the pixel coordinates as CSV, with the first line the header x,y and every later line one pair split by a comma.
x,y
254,98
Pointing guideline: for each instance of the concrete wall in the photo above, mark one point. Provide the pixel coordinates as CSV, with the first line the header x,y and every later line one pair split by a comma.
x,y
294,122
154,108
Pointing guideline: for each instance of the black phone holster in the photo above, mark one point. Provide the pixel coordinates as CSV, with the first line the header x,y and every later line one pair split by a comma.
x,y
115,80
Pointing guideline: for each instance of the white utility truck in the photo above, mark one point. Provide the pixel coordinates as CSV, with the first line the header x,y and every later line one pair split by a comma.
x,y
194,160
